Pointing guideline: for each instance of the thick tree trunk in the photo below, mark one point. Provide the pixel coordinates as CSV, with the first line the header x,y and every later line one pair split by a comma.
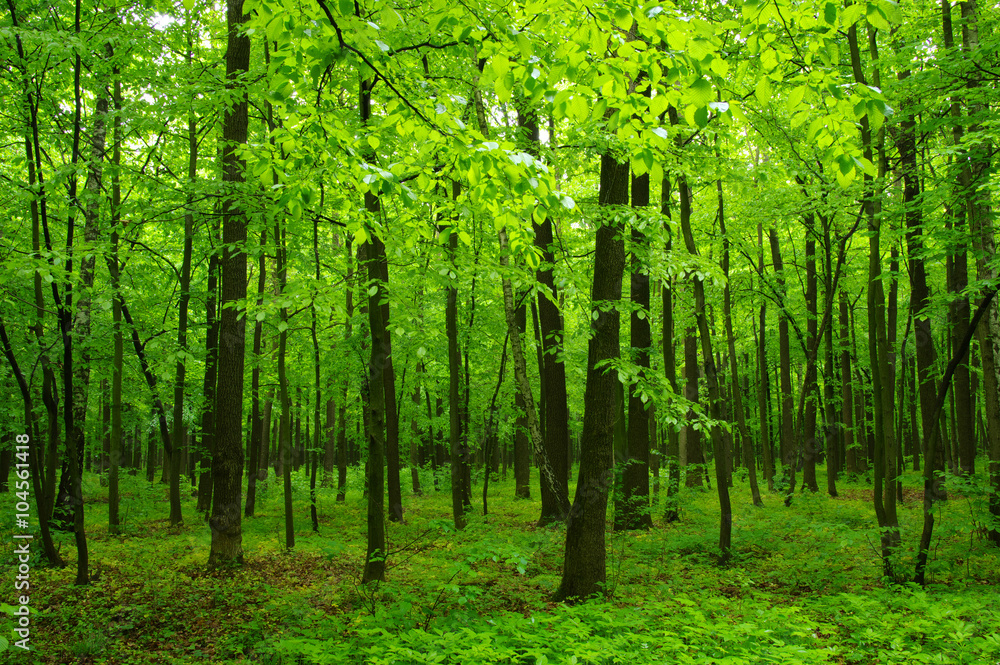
x,y
227,464
376,552
584,572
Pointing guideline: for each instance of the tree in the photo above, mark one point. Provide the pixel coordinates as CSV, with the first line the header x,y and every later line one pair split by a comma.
x,y
227,463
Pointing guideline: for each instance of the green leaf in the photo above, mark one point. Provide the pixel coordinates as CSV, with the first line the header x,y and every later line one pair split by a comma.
x,y
346,7
700,92
763,90
830,13
189,4
795,98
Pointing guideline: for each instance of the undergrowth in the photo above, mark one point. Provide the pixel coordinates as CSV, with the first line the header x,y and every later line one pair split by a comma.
x,y
803,585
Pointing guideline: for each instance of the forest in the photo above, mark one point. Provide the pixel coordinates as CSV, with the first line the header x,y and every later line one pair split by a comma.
x,y
499,331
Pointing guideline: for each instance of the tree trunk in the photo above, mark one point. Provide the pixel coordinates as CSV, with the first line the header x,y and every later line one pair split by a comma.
x,y
522,446
257,435
763,390
342,448
180,377
788,451
748,457
555,412
633,509
711,378
227,464
883,454
584,572
810,447
692,459
376,552
458,462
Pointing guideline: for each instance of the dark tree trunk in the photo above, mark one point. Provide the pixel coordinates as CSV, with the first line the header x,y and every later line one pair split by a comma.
x,y
554,410
376,553
584,571
810,443
763,389
342,447
785,361
227,464
692,458
711,378
632,512
257,435
522,447
458,460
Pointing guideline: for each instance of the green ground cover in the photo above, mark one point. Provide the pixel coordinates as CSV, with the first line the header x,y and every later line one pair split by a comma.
x,y
804,586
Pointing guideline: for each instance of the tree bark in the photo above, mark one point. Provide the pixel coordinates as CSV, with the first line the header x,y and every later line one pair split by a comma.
x,y
584,571
633,511
227,464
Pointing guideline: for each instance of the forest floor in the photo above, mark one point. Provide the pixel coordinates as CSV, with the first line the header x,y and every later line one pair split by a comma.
x,y
804,585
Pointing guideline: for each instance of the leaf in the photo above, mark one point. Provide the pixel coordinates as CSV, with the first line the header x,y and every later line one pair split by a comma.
x,y
189,4
830,13
346,7
795,98
763,90
700,92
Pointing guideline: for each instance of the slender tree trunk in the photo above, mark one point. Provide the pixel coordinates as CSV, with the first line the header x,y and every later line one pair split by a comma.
x,y
522,445
633,509
692,458
879,351
257,435
118,359
342,448
555,411
763,391
180,376
711,378
810,448
788,449
317,383
521,372
748,456
285,445
454,376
